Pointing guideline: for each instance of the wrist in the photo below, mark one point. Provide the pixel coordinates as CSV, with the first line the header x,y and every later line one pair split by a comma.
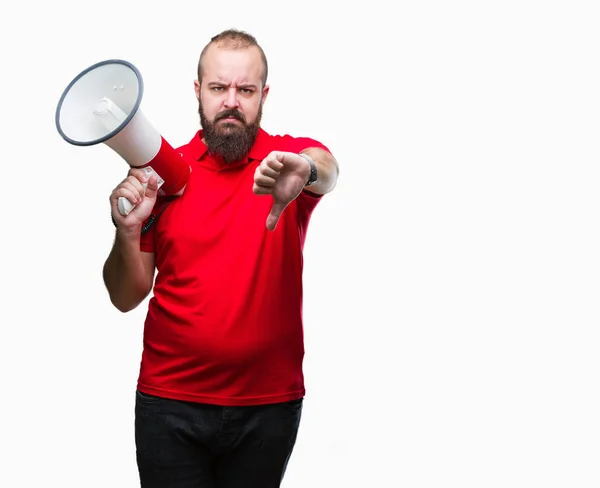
x,y
128,235
312,175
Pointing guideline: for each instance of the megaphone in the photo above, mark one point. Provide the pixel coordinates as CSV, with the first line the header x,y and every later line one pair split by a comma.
x,y
102,105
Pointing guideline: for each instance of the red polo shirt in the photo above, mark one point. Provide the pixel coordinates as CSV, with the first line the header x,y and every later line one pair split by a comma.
x,y
224,324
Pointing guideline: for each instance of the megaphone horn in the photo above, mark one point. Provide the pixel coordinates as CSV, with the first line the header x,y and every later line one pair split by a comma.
x,y
102,105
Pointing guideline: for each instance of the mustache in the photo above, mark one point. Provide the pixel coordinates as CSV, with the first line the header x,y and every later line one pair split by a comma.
x,y
230,113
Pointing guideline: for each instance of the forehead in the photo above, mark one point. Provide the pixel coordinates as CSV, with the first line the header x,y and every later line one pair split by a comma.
x,y
221,64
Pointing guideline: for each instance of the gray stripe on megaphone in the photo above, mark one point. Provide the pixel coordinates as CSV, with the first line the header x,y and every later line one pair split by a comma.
x,y
74,84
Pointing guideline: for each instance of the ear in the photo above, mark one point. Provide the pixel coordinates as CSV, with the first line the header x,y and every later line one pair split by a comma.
x,y
265,92
197,89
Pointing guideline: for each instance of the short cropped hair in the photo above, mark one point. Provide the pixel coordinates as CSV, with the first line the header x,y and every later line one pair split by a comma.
x,y
234,39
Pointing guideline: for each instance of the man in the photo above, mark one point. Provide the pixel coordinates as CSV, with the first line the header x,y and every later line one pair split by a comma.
x,y
220,390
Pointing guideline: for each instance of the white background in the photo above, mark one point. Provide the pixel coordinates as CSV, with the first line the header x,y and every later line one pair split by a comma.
x,y
452,278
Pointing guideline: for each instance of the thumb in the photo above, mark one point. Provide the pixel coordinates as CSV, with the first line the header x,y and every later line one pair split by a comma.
x,y
152,187
276,211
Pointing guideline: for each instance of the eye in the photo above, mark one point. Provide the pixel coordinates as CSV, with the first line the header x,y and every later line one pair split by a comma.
x,y
217,88
247,91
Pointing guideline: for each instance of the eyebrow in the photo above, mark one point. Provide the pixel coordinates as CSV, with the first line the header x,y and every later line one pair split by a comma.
x,y
242,85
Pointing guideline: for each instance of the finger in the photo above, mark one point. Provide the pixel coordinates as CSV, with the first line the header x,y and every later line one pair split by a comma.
x,y
262,180
263,170
139,181
134,187
262,190
125,193
273,163
273,217
139,174
266,170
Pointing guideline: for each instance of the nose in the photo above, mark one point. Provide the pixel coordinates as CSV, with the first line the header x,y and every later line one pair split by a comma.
x,y
231,101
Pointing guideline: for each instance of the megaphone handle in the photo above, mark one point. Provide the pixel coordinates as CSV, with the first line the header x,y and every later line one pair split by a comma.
x,y
124,205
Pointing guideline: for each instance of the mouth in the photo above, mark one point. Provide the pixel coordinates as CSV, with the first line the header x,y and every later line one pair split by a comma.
x,y
230,117
229,124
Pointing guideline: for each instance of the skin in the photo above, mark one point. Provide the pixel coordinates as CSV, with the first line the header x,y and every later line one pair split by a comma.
x,y
231,79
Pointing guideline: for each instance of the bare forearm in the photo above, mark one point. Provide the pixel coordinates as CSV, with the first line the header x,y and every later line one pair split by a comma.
x,y
327,171
127,276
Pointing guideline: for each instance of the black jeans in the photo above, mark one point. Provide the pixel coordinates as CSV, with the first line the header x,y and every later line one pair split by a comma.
x,y
184,445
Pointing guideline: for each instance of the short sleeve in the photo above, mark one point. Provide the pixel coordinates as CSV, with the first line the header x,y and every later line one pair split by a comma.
x,y
299,144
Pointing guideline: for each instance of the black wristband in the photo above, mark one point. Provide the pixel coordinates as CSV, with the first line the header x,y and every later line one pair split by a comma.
x,y
313,169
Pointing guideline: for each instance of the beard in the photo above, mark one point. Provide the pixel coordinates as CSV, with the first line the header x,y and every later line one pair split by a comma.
x,y
229,140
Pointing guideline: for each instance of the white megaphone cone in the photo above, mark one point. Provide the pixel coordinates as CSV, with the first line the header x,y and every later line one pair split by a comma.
x,y
101,105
